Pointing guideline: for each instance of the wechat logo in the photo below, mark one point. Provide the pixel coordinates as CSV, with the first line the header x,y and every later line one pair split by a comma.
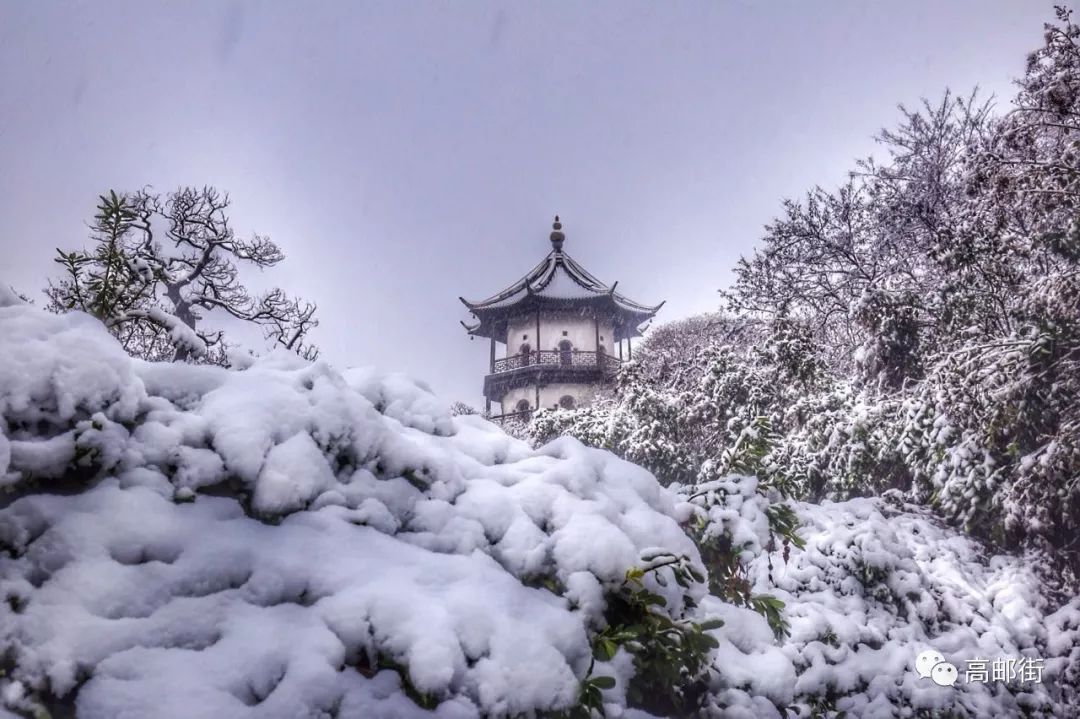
x,y
931,664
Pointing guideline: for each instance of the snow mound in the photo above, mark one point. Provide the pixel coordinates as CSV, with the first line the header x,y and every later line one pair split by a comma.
x,y
288,541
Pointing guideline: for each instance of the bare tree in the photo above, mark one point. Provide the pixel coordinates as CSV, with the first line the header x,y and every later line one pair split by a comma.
x,y
155,296
459,408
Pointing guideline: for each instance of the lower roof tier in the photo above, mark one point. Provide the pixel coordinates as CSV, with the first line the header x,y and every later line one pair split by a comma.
x,y
493,323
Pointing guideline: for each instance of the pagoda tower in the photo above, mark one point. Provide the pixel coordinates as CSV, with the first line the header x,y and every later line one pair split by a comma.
x,y
563,334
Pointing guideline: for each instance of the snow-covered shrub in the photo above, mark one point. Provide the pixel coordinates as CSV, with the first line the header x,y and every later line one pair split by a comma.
x,y
671,655
891,353
665,355
876,582
992,438
644,424
716,413
839,442
286,540
871,584
736,520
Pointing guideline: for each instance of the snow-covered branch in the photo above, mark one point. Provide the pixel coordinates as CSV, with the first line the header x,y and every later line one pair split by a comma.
x,y
154,294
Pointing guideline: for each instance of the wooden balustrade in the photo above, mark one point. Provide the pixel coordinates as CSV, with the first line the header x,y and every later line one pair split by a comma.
x,y
558,358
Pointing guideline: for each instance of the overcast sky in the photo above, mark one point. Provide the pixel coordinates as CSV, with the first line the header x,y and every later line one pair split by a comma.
x,y
405,153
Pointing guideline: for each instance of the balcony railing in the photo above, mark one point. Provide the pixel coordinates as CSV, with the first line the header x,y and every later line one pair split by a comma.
x,y
570,359
524,416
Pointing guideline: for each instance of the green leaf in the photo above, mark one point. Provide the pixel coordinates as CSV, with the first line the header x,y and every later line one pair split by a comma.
x,y
604,649
603,682
649,598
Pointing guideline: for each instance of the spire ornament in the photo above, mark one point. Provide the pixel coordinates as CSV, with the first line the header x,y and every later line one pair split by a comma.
x,y
557,236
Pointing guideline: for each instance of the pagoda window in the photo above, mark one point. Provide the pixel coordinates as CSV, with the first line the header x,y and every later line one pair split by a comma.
x,y
567,402
526,353
566,352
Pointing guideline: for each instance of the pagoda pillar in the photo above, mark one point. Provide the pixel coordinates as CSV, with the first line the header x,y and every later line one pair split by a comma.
x,y
487,400
596,327
538,360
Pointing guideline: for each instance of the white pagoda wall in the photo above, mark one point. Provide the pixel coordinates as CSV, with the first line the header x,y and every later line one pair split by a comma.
x,y
581,331
550,395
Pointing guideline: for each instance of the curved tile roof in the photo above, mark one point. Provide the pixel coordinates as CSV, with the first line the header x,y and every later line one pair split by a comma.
x,y
559,276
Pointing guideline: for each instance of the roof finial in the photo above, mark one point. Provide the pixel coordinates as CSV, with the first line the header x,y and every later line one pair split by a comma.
x,y
557,237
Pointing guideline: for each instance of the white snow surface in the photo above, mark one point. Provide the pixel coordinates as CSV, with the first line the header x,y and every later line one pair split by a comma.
x,y
189,541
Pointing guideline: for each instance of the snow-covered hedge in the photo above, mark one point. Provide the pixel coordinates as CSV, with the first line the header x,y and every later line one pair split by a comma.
x,y
287,540
876,583
870,584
